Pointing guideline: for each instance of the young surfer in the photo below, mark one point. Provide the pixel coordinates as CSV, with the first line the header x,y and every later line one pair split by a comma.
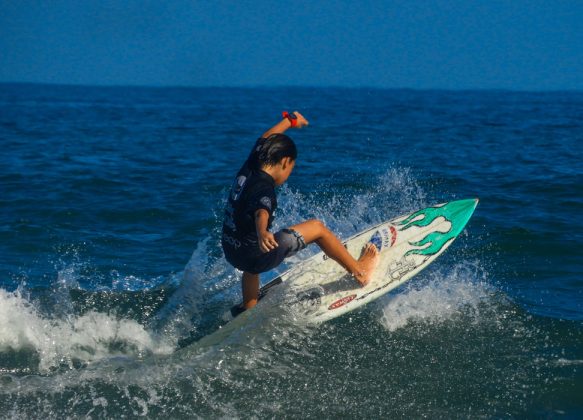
x,y
247,241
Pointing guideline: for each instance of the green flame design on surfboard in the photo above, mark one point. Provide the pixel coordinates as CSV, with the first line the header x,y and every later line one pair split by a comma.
x,y
456,212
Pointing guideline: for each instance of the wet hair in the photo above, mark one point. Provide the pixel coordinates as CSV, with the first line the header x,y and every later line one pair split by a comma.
x,y
274,149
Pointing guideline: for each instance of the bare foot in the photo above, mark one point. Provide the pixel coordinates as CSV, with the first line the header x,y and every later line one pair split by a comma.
x,y
367,263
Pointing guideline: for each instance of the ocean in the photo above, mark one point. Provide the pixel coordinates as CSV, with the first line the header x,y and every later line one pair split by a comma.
x,y
111,270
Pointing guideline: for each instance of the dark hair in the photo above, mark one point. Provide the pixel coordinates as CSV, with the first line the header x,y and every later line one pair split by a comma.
x,y
274,149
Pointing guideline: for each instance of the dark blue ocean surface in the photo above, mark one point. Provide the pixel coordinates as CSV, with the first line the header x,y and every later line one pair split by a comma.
x,y
110,265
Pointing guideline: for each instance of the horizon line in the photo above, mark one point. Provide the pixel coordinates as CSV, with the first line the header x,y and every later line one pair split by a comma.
x,y
297,86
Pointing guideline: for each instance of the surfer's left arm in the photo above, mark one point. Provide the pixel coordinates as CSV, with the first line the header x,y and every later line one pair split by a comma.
x,y
282,126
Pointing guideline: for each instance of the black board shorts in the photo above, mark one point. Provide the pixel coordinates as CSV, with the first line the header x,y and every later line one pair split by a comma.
x,y
289,243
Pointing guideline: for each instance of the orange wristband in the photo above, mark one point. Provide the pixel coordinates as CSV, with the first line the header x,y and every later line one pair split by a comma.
x,y
291,117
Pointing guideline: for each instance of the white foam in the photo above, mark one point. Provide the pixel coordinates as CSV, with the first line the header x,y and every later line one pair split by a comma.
x,y
443,295
85,338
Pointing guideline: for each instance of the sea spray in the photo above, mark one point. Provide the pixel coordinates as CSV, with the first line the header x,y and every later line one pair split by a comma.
x,y
71,341
439,295
371,201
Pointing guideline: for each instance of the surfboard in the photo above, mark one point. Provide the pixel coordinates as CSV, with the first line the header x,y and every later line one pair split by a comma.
x,y
318,289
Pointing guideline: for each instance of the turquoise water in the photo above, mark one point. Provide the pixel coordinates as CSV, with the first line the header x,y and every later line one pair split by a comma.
x,y
111,269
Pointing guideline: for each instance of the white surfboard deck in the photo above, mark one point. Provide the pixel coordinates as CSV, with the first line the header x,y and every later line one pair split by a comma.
x,y
319,289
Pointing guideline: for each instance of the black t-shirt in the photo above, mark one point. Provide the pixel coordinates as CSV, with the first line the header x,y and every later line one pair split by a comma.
x,y
253,189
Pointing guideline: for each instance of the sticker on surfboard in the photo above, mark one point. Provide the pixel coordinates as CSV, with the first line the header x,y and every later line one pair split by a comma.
x,y
341,302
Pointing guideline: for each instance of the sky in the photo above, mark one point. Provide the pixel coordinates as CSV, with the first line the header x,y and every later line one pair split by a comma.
x,y
471,44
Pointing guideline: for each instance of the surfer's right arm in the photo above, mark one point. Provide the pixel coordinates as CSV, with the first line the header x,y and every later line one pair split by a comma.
x,y
286,123
267,241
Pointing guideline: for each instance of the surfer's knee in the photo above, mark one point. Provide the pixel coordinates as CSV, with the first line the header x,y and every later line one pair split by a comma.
x,y
317,230
317,225
312,230
322,229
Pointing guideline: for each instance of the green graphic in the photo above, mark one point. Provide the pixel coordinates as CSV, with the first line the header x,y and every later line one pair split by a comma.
x,y
456,212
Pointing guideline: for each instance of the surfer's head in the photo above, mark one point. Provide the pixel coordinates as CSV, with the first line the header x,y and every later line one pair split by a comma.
x,y
277,156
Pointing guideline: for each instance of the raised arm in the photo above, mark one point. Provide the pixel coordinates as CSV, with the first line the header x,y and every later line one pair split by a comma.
x,y
285,123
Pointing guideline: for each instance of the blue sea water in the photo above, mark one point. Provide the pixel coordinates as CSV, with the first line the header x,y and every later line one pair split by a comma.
x,y
110,265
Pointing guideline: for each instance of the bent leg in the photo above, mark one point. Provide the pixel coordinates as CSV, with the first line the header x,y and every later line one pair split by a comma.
x,y
250,285
315,231
362,269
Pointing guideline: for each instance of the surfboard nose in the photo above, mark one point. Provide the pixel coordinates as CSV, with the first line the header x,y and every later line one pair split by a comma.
x,y
455,213
463,210
472,202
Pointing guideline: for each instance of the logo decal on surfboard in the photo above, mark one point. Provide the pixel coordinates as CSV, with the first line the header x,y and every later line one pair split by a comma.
x,y
377,240
341,302
393,235
384,238
311,298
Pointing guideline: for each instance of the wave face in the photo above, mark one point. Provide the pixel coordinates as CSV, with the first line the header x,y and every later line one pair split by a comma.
x,y
105,192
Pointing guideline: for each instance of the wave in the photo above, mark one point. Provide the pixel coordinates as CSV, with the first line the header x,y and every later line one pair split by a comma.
x,y
70,341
